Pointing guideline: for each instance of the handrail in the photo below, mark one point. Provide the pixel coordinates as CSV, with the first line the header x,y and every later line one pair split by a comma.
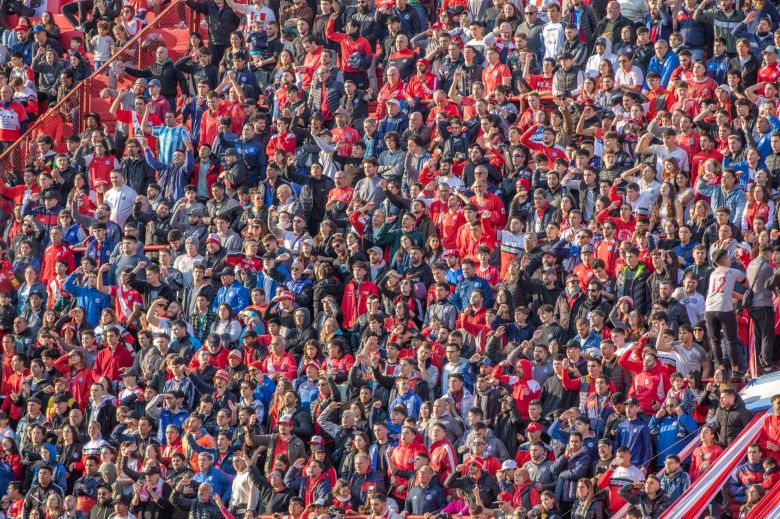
x,y
53,110
695,499
768,507
82,86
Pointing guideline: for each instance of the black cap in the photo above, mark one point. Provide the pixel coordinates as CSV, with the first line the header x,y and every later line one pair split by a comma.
x,y
632,401
50,193
567,55
35,399
131,372
151,469
61,399
231,151
227,271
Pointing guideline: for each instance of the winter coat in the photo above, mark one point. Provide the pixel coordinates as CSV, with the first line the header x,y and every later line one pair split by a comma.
x,y
634,285
221,20
652,508
168,76
730,422
197,510
569,471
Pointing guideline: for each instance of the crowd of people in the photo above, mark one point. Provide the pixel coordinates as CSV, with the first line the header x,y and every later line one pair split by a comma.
x,y
390,258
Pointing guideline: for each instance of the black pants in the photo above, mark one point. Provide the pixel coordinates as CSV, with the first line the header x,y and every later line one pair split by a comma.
x,y
764,332
725,322
217,51
80,7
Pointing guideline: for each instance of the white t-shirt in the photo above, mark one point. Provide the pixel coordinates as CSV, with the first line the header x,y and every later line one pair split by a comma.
x,y
721,288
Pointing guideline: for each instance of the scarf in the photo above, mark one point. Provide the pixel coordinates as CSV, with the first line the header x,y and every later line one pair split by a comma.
x,y
144,494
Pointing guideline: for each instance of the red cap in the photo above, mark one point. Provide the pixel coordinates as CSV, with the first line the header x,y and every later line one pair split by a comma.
x,y
22,27
222,374
285,421
534,427
473,460
504,497
425,62
525,183
234,353
310,364
285,295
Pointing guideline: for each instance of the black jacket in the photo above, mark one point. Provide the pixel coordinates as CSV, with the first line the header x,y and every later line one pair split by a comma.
x,y
197,73
486,485
221,20
652,508
197,509
730,422
138,173
150,509
169,77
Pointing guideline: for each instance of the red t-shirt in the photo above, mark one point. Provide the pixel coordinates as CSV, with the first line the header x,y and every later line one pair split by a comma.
x,y
12,115
125,301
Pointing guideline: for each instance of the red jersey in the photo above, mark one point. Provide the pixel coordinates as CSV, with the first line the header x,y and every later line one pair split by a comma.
x,y
494,76
12,115
100,168
51,256
286,142
209,124
125,302
448,225
347,136
284,365
551,152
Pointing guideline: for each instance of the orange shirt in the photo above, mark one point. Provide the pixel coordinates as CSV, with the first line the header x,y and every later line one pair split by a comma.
x,y
494,75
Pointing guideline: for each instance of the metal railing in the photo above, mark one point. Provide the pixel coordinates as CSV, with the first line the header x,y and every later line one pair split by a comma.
x,y
171,27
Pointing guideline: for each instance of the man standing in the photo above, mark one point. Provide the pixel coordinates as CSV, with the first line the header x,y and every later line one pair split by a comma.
x,y
719,311
120,198
760,305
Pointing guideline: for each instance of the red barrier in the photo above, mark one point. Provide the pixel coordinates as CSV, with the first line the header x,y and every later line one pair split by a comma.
x,y
150,248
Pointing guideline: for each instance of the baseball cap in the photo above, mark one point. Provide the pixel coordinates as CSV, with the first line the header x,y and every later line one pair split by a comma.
x,y
39,28
769,50
317,440
534,427
587,248
376,250
214,238
632,401
151,469
509,465
285,421
222,374
285,295
154,83
504,497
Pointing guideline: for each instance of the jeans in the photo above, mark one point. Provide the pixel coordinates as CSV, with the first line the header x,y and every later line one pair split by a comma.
x,y
80,7
764,333
726,323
